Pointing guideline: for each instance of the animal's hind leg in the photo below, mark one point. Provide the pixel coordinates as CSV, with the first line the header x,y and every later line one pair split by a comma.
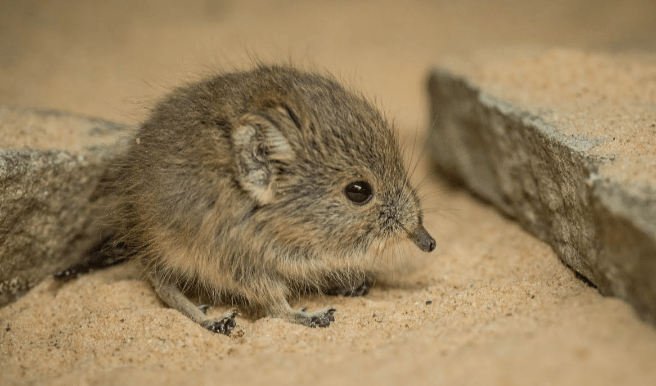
x,y
174,298
104,254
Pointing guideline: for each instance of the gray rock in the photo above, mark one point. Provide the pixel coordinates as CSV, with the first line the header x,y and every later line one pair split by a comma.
x,y
50,166
555,166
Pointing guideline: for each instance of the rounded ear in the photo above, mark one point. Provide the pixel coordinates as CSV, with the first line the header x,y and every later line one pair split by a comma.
x,y
258,145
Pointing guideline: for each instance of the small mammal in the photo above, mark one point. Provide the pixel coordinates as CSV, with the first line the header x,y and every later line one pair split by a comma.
x,y
258,185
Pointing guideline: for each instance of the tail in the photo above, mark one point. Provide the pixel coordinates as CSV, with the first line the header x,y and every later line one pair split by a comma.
x,y
105,253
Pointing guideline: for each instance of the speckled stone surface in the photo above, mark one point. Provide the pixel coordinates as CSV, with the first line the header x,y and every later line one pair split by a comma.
x,y
50,165
565,142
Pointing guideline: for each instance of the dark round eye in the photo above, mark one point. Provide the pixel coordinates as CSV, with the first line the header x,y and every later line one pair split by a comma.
x,y
359,192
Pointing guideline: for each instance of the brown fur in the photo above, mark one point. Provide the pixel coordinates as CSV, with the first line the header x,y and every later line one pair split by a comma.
x,y
236,185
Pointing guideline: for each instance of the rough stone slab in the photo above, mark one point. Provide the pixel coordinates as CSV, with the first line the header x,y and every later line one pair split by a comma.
x,y
50,166
565,142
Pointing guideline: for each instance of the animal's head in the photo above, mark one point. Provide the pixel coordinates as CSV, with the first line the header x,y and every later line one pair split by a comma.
x,y
324,168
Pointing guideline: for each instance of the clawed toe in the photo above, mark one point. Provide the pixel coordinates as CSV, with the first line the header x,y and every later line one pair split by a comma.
x,y
223,325
324,319
321,318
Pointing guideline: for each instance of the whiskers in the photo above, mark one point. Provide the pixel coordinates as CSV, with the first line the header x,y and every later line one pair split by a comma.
x,y
413,163
391,258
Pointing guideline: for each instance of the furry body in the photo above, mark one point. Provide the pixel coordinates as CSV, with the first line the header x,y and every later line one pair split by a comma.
x,y
236,185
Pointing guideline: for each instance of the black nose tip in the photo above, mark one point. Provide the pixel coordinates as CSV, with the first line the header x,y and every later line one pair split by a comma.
x,y
431,245
423,240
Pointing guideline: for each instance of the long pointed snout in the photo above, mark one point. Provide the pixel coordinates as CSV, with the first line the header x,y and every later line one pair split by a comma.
x,y
423,240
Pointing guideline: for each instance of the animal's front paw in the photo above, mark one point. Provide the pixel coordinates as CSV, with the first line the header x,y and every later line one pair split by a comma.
x,y
222,325
321,318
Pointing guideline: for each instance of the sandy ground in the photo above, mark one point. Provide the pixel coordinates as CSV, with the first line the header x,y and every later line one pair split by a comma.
x,y
491,306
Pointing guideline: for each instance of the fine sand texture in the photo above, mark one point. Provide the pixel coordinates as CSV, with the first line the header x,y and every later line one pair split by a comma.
x,y
492,305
